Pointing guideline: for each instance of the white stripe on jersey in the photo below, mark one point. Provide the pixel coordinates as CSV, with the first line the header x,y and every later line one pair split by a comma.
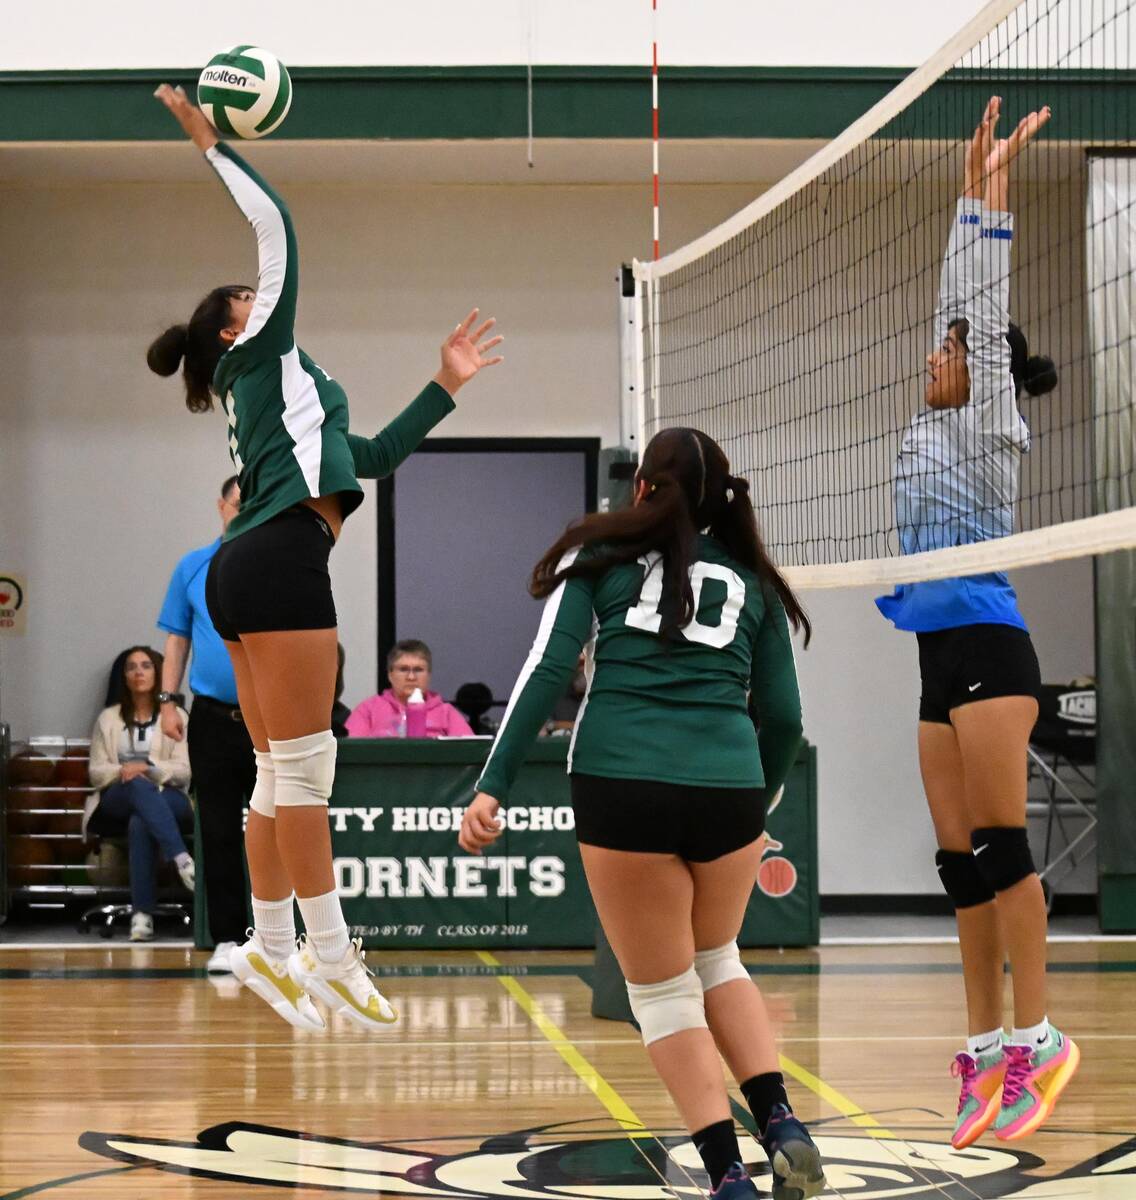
x,y
303,418
271,239
540,644
589,675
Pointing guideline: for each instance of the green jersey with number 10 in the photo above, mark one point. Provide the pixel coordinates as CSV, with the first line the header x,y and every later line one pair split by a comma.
x,y
672,710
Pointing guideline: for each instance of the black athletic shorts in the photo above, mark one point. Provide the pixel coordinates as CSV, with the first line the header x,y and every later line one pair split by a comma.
x,y
698,824
974,662
274,577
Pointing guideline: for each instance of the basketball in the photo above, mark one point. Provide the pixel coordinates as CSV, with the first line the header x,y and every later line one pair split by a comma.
x,y
245,92
777,876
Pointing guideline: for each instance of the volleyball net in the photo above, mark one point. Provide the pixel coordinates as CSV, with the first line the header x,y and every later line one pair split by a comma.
x,y
798,332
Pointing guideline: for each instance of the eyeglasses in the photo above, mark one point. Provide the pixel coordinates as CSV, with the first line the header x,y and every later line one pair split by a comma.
x,y
409,670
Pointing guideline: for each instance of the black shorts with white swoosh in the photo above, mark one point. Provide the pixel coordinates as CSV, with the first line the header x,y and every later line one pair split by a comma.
x,y
974,662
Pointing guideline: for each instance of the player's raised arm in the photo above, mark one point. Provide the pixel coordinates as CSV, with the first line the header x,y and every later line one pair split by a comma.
x,y
270,326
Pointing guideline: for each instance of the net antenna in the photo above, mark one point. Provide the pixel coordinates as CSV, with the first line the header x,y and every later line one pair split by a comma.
x,y
797,333
655,122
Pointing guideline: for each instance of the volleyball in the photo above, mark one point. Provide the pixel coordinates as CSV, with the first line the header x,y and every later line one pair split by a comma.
x,y
245,91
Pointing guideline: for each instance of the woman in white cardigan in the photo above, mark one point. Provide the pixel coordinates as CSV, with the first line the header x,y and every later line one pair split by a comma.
x,y
141,778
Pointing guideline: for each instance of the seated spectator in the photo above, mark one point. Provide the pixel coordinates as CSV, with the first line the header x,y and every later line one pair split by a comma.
x,y
141,778
408,667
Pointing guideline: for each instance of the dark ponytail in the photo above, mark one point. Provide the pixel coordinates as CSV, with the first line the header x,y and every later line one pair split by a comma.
x,y
691,489
1034,374
736,528
199,343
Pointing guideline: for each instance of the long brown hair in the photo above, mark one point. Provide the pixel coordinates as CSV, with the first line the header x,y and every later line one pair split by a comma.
x,y
691,490
199,342
125,695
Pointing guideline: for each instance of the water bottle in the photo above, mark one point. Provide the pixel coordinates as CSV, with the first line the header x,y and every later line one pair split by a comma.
x,y
416,715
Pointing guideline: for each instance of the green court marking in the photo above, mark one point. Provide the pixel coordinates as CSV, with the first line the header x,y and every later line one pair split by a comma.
x,y
583,971
392,972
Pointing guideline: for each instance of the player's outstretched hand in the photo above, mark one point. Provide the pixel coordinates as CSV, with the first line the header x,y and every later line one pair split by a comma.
x,y
1003,151
188,116
979,148
480,826
463,353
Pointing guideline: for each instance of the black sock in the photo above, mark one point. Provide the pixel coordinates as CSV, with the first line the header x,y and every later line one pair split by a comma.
x,y
718,1145
761,1093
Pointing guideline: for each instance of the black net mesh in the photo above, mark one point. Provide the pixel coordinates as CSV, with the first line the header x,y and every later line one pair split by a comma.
x,y
801,342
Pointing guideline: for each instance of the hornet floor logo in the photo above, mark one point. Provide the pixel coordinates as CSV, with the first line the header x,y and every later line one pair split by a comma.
x,y
562,1161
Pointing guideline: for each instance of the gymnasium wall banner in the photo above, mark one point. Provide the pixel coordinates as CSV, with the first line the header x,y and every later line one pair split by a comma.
x,y
405,883
13,604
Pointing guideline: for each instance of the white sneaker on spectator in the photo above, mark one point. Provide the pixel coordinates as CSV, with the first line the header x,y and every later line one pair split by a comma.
x,y
185,871
141,927
269,979
218,963
345,987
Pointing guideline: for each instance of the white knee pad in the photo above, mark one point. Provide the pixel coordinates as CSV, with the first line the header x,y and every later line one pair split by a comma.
x,y
304,769
720,965
263,798
667,1007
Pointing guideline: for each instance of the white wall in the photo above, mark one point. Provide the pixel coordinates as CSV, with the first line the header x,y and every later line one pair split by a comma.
x,y
107,480
65,34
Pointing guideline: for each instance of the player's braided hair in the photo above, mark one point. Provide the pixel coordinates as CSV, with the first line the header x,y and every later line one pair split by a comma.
x,y
199,343
691,489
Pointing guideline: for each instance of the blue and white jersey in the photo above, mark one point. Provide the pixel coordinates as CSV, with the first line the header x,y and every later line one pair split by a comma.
x,y
956,477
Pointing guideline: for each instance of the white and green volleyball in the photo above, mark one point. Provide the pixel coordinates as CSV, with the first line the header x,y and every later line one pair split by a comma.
x,y
245,91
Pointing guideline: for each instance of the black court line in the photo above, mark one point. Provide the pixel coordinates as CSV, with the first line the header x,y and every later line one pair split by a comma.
x,y
584,972
46,1186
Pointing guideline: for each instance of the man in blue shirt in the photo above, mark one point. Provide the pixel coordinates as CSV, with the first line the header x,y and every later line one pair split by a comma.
x,y
220,749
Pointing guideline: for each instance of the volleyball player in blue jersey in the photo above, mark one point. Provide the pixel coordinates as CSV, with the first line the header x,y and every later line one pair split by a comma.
x,y
957,483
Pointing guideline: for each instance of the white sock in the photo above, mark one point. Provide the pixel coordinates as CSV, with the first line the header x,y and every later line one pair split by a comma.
x,y
983,1043
276,924
325,926
181,859
1033,1035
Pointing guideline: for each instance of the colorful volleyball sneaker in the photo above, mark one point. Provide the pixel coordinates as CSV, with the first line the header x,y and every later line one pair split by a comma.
x,y
1035,1077
793,1156
736,1185
980,1094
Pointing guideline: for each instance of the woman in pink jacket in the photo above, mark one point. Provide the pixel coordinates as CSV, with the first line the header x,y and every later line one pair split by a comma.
x,y
408,669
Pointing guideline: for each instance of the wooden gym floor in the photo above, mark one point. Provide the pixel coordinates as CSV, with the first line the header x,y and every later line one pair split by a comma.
x,y
127,1073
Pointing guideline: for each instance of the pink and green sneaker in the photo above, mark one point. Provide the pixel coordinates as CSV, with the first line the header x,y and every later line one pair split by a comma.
x,y
1035,1077
980,1094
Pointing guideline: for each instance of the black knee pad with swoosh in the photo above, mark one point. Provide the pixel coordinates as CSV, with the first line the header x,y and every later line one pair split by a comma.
x,y
961,879
1002,856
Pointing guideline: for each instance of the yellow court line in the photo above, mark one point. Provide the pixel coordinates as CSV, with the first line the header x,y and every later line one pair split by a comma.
x,y
619,1109
615,1104
838,1100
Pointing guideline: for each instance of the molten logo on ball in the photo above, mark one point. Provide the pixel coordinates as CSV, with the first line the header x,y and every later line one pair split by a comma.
x,y
245,91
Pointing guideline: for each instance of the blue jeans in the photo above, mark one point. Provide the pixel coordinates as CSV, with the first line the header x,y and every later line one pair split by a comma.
x,y
152,817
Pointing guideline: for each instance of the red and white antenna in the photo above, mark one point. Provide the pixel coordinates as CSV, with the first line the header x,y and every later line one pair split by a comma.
x,y
655,113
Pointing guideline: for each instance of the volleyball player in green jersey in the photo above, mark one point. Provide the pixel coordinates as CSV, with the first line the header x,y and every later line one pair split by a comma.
x,y
670,778
268,588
